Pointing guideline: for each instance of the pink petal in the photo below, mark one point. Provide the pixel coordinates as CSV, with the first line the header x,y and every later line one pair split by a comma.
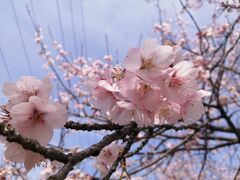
x,y
39,131
109,154
162,56
133,60
101,167
120,115
28,83
203,93
194,111
41,105
149,45
19,124
168,112
10,89
32,159
15,153
58,118
45,88
151,99
178,56
123,116
165,56
126,105
128,87
22,111
104,100
185,68
104,84
16,100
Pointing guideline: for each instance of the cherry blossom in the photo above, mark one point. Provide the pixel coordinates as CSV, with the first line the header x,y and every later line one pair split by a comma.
x,y
32,115
150,59
151,89
167,113
180,81
36,119
25,87
159,83
193,107
165,28
103,95
106,158
15,153
135,90
124,112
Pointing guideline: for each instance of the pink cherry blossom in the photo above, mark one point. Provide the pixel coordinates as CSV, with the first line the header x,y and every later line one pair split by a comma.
x,y
193,109
103,95
180,81
178,54
165,28
151,89
167,113
125,112
106,158
25,87
150,59
15,153
144,96
36,119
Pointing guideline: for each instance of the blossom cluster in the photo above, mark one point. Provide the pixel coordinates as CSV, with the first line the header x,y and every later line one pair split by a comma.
x,y
155,86
32,115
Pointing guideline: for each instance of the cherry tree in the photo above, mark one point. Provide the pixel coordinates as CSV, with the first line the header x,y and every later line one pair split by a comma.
x,y
169,110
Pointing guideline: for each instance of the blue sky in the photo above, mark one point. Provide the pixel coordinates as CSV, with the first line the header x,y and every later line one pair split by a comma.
x,y
122,21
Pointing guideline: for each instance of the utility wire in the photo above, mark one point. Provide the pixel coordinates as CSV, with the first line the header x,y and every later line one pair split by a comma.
x,y
22,40
60,23
33,11
5,65
83,28
73,29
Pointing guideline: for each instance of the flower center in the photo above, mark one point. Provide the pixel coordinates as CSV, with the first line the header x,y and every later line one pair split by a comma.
x,y
37,116
144,88
131,114
147,64
28,91
175,81
164,112
119,74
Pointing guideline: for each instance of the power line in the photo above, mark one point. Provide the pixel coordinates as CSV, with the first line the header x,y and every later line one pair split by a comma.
x,y
22,40
60,23
33,11
73,28
83,28
5,65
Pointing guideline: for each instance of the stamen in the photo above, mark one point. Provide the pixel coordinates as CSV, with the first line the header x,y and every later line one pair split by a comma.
x,y
175,81
119,74
165,112
37,116
147,63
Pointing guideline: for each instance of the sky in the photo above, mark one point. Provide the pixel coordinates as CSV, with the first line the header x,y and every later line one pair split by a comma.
x,y
124,22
